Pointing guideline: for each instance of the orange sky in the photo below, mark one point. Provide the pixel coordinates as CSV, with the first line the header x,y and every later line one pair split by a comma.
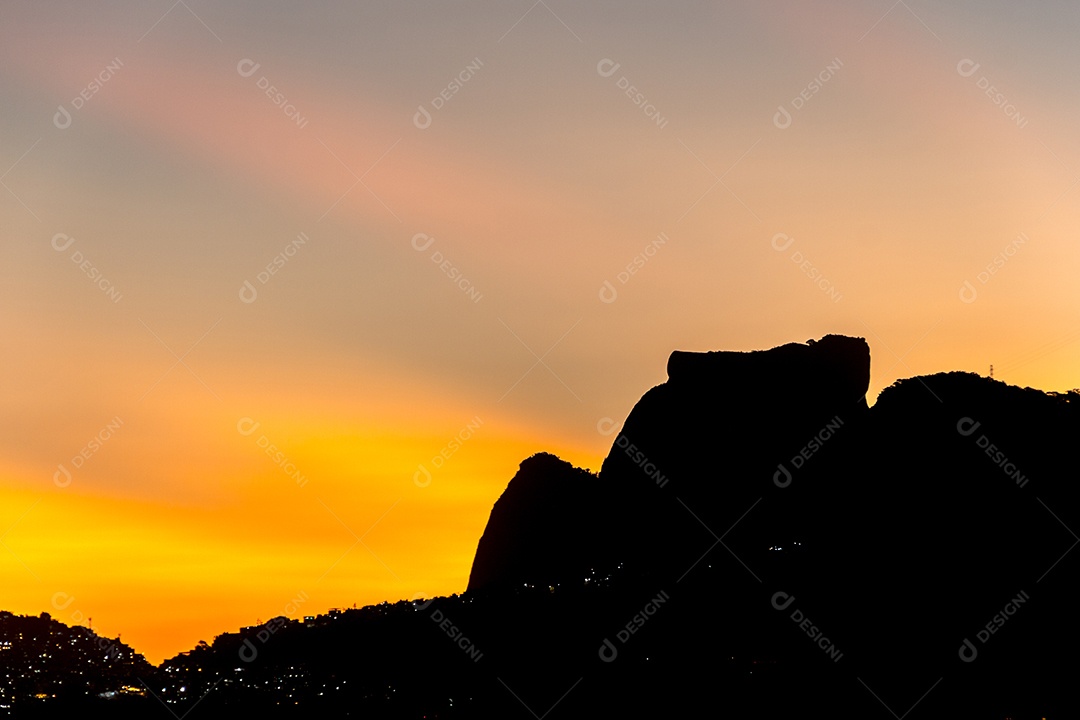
x,y
451,274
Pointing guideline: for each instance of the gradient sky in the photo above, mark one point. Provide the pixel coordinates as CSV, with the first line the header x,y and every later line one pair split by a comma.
x,y
478,202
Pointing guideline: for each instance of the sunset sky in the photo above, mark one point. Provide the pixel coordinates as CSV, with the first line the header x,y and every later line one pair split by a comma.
x,y
290,289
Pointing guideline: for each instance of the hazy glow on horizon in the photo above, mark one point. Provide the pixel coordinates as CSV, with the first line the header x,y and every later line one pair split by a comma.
x,y
456,273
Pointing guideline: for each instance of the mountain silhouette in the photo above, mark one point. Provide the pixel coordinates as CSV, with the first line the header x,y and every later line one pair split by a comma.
x,y
901,530
759,542
541,531
678,468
